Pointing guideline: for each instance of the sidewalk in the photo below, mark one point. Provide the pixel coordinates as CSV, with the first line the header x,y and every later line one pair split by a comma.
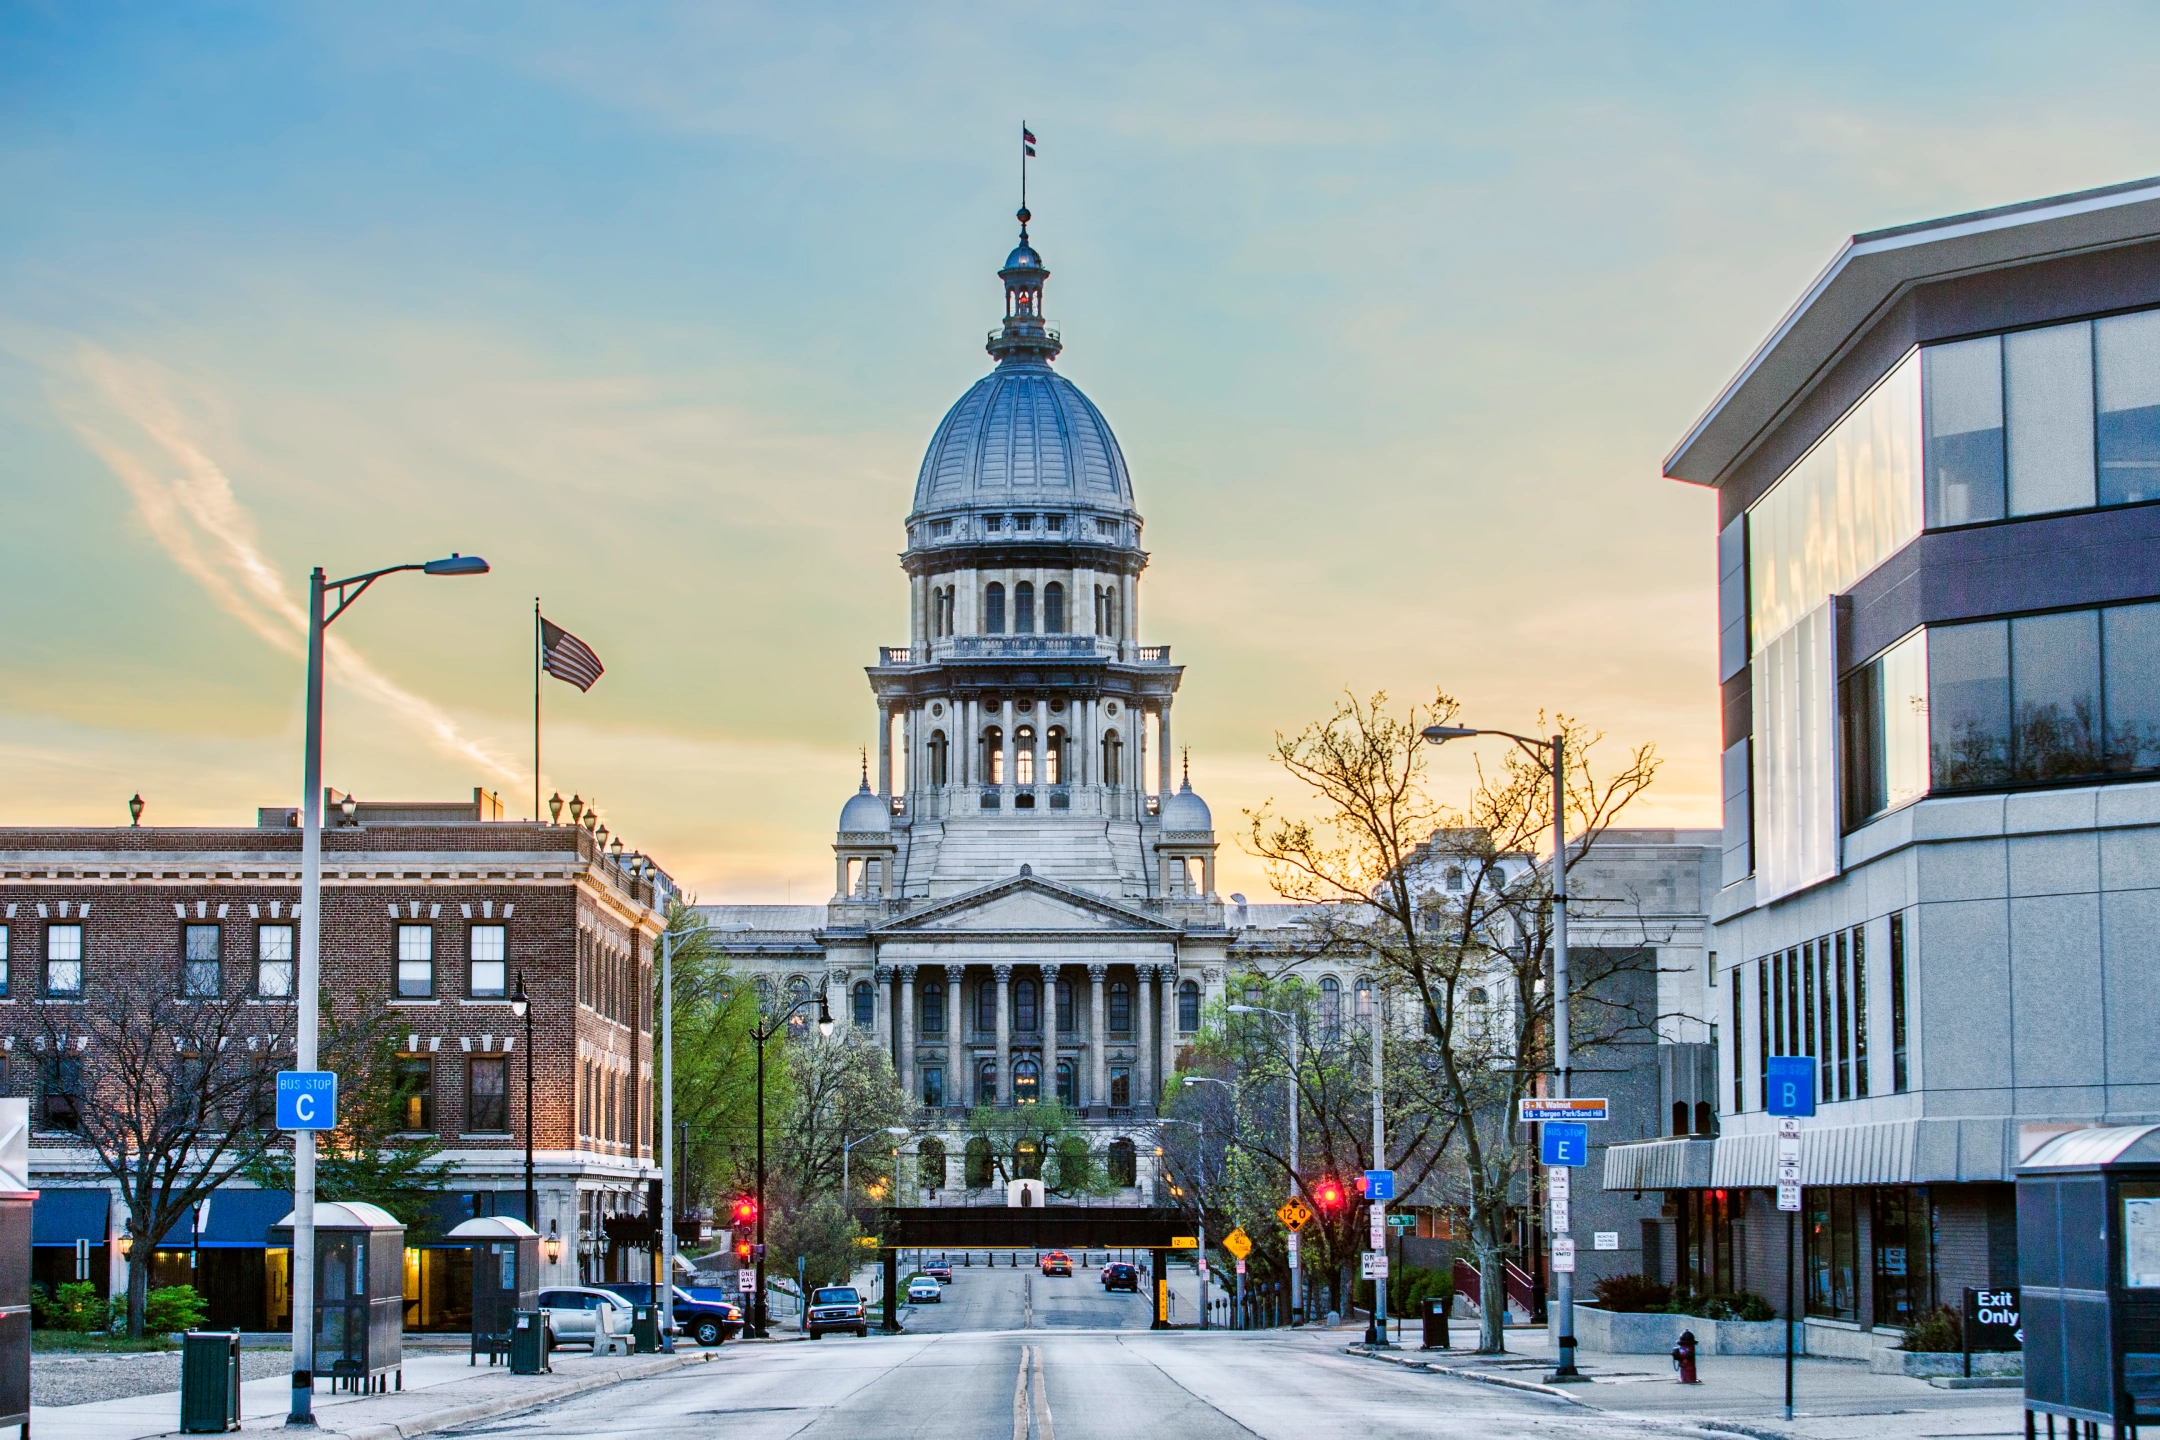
x,y
1739,1394
441,1390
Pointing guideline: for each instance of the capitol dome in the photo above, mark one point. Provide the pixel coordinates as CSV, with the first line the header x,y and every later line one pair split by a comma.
x,y
1023,441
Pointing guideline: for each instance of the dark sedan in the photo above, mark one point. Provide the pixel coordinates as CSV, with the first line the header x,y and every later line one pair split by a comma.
x,y
1117,1275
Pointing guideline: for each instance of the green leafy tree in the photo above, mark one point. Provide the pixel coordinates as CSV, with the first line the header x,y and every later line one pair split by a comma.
x,y
383,1151
1044,1141
716,1017
822,1236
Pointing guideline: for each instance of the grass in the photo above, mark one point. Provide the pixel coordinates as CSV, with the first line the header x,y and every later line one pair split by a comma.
x,y
79,1342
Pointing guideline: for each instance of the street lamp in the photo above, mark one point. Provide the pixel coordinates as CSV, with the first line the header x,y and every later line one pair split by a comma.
x,y
1297,1266
521,1006
847,1194
309,982
759,1036
1552,755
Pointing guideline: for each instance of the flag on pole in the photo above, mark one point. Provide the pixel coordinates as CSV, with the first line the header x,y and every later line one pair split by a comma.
x,y
566,657
1027,139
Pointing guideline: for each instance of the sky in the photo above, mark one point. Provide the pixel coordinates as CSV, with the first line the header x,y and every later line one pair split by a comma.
x,y
1395,310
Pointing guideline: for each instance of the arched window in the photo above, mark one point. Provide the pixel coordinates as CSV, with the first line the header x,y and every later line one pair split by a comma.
x,y
993,766
1113,751
1053,609
1027,1013
933,1007
948,599
938,766
986,1083
1064,1007
1363,993
1027,1160
1067,1086
1054,756
1024,755
978,1164
930,1164
1120,1007
1124,1164
1252,991
993,609
1705,1118
1188,1006
798,991
1023,609
865,1005
764,995
1679,1117
985,1005
1072,1165
1454,877
1027,1089
1110,612
1330,1005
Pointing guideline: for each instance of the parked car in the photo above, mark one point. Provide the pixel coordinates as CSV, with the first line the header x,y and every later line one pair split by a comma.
x,y
709,1322
836,1307
572,1314
1117,1275
925,1290
1057,1262
939,1270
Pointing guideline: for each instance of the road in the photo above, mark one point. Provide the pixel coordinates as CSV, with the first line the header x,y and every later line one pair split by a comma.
x,y
1057,1384
1005,1299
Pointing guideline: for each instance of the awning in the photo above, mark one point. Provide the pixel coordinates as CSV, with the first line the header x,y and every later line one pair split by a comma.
x,y
62,1217
235,1219
1681,1162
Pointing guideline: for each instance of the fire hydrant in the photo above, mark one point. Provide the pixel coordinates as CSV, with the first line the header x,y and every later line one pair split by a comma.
x,y
1683,1358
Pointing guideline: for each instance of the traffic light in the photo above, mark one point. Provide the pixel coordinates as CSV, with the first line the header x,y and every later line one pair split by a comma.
x,y
1328,1195
745,1213
742,1250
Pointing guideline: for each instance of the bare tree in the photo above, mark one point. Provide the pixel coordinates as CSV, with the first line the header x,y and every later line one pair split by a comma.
x,y
1473,959
172,1092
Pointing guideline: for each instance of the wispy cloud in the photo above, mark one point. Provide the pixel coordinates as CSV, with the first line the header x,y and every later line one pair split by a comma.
x,y
187,502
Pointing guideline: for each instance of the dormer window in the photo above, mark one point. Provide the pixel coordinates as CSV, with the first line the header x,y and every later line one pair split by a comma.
x,y
940,529
1106,527
1053,522
990,524
1023,523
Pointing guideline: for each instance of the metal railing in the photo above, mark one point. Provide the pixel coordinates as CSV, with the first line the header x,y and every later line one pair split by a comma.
x,y
999,647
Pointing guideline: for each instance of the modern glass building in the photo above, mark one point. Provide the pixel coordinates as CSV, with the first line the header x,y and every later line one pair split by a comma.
x,y
1939,649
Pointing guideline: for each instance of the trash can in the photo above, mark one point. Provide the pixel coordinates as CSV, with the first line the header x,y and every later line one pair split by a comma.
x,y
1436,1322
528,1343
645,1329
209,1382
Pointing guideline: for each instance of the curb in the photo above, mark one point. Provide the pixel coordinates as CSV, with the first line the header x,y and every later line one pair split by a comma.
x,y
1506,1382
503,1405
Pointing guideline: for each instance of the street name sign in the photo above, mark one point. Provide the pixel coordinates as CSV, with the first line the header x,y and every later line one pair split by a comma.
x,y
307,1100
1563,1143
1379,1184
1402,1222
1295,1214
1238,1243
1546,1109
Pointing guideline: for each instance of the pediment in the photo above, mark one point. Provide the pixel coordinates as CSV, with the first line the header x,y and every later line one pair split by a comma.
x,y
1026,904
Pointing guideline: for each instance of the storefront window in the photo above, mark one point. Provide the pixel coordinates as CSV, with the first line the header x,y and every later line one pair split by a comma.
x,y
1833,1247
1904,1255
1708,1256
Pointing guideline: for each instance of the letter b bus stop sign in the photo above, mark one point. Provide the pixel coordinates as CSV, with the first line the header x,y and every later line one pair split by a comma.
x,y
307,1100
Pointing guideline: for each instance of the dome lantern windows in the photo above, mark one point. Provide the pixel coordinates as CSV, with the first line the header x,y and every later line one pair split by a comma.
x,y
1024,755
1053,609
993,609
993,756
1023,608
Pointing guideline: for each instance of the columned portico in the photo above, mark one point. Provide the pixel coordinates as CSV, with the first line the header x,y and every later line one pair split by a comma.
x,y
881,998
1166,1035
1048,1014
1003,975
959,1085
1144,1036
907,1033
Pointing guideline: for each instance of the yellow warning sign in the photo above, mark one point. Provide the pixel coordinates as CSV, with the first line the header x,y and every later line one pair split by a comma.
x,y
1184,1242
1238,1243
1295,1214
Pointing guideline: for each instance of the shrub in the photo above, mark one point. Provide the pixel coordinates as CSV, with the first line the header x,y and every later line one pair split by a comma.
x,y
1939,1331
1631,1294
172,1307
1410,1286
1725,1305
75,1307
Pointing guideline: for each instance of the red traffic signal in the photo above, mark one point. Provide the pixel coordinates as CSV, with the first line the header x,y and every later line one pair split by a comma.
x,y
1328,1195
742,1249
745,1211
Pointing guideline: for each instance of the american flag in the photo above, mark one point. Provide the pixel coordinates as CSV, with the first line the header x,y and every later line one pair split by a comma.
x,y
566,657
1027,139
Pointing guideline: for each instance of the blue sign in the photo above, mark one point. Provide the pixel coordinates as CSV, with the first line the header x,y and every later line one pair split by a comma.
x,y
307,1100
1564,1142
1379,1184
1790,1085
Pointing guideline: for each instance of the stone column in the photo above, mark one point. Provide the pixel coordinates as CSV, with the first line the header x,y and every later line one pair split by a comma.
x,y
1167,1045
1167,786
1050,1031
907,1035
1144,1079
1005,742
1098,1095
958,1083
1003,975
884,751
881,978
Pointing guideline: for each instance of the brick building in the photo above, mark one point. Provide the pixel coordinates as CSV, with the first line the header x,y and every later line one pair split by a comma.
x,y
434,910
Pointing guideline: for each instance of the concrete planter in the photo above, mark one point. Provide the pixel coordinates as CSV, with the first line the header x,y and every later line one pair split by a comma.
x,y
1616,1333
1929,1365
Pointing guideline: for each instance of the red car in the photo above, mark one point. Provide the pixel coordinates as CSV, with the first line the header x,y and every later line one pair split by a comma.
x,y
1057,1262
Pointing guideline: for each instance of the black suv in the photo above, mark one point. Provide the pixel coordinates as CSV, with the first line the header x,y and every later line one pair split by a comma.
x,y
1119,1276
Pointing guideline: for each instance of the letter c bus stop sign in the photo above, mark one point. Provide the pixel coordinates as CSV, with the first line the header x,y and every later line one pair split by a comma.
x,y
307,1100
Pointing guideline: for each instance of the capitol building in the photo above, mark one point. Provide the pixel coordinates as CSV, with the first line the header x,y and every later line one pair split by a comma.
x,y
1024,901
